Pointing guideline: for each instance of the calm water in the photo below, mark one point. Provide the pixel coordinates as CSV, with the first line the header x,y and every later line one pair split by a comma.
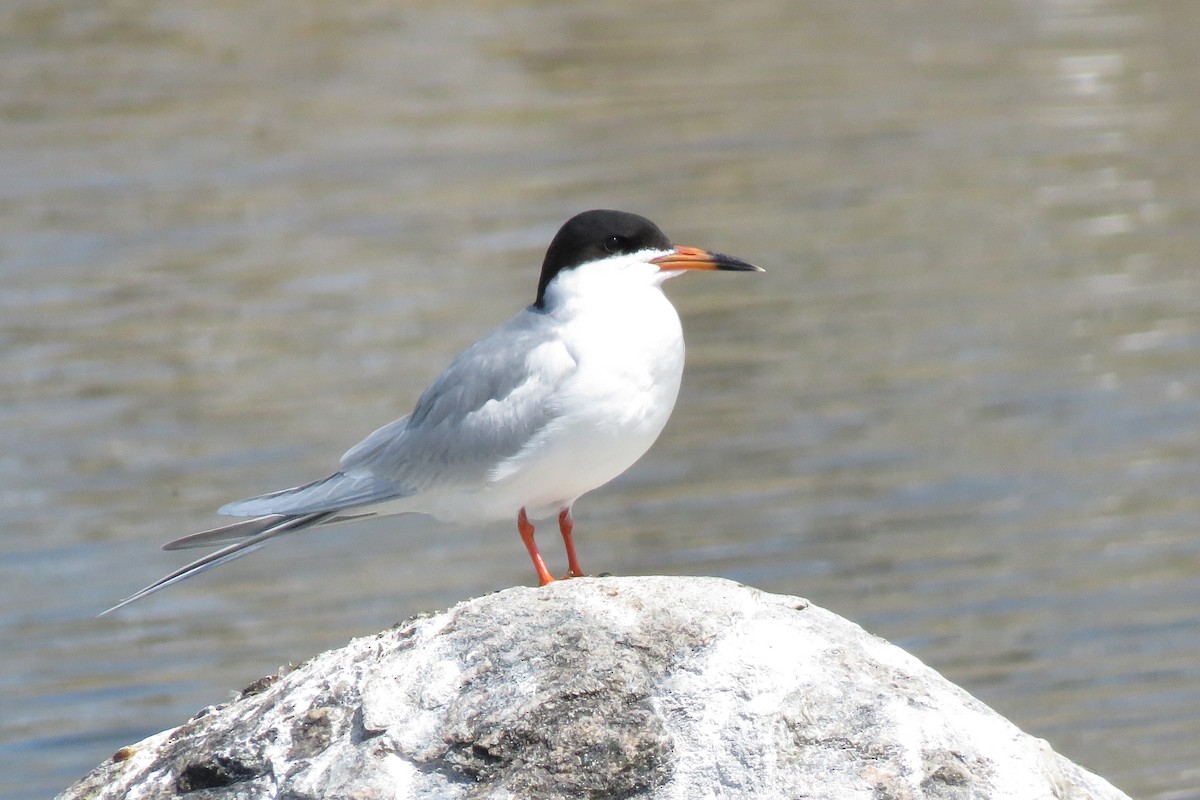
x,y
962,408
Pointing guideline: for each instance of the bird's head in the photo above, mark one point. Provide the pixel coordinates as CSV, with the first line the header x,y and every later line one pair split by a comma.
x,y
617,242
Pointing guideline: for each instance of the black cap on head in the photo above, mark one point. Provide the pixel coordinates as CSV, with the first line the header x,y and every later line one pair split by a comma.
x,y
597,234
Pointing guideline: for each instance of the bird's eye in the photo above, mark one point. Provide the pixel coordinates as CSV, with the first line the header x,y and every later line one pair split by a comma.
x,y
612,244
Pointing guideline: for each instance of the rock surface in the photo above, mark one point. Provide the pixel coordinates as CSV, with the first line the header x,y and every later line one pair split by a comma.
x,y
606,688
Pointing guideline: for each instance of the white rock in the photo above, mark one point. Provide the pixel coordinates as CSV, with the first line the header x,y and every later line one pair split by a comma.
x,y
672,688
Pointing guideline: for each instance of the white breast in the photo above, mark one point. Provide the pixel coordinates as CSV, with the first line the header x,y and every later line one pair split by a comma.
x,y
627,341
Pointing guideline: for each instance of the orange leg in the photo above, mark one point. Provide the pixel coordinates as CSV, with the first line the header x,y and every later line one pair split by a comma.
x,y
526,529
566,527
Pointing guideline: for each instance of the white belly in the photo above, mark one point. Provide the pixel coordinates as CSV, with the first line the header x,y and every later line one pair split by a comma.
x,y
607,415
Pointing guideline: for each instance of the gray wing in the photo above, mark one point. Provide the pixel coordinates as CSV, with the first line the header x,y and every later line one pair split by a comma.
x,y
480,411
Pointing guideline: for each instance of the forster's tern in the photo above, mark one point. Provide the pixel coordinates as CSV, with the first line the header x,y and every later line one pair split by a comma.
x,y
557,401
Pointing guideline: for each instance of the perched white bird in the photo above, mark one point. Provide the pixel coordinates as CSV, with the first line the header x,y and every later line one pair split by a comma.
x,y
557,401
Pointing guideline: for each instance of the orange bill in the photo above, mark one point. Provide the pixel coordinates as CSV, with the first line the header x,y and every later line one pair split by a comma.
x,y
686,257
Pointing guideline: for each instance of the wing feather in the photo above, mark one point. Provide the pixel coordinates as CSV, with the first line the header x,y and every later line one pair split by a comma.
x,y
492,399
